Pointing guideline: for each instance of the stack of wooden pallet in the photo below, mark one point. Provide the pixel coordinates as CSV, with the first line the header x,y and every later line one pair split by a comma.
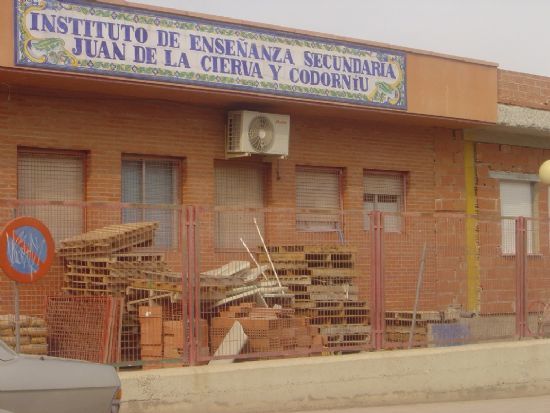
x,y
33,333
102,261
105,261
322,280
399,326
109,240
266,329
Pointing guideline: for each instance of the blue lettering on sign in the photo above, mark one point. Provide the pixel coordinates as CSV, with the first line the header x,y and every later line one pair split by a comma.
x,y
27,249
128,42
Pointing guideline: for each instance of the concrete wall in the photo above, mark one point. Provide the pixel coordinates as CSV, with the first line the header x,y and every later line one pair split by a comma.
x,y
413,376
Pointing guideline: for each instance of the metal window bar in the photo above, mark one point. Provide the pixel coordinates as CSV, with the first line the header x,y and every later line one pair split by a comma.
x,y
384,191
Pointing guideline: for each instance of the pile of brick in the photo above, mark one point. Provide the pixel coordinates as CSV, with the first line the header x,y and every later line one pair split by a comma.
x,y
164,339
33,333
267,329
322,280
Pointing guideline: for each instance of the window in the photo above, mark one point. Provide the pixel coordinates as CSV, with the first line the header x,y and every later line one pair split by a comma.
x,y
516,200
151,181
52,176
318,199
383,191
239,199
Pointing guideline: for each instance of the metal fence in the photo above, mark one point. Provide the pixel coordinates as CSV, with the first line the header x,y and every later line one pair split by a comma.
x,y
147,286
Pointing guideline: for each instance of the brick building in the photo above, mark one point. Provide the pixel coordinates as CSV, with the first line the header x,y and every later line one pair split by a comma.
x,y
112,140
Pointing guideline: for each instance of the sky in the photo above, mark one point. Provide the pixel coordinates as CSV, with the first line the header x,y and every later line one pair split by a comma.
x,y
513,33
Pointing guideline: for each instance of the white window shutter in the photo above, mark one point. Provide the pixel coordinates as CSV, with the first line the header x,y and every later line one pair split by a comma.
x,y
516,200
239,199
318,199
384,192
49,176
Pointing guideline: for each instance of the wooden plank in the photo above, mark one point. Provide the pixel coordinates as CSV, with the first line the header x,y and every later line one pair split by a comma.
x,y
345,329
408,315
333,272
110,239
156,285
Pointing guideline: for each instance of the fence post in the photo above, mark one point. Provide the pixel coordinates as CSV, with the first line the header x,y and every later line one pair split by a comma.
x,y
191,281
377,280
521,287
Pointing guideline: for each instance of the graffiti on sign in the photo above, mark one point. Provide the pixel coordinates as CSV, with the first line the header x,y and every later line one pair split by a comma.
x,y
26,250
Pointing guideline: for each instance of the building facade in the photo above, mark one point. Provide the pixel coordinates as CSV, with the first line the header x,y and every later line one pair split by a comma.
x,y
113,113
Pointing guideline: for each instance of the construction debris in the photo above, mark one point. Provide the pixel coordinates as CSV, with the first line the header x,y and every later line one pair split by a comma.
x,y
163,339
231,345
112,261
267,329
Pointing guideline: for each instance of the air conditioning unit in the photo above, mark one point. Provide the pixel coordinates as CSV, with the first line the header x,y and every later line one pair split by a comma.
x,y
256,133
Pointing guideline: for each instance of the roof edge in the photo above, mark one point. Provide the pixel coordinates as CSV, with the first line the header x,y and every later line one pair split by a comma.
x,y
290,30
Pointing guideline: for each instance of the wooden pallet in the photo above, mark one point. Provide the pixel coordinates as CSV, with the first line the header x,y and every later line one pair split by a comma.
x,y
157,285
309,248
407,316
321,277
109,240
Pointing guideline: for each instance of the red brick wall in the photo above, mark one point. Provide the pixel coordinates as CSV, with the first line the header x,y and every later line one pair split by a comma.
x,y
523,89
498,271
106,128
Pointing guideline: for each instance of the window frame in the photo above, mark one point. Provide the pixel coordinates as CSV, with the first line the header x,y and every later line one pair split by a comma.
x,y
177,173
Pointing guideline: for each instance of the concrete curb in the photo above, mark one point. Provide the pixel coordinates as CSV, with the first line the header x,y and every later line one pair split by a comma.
x,y
511,369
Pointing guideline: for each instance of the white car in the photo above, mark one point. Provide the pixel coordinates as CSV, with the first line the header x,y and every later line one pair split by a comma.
x,y
31,384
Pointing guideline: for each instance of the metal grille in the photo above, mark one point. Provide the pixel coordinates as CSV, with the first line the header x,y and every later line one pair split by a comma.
x,y
303,293
318,199
234,125
239,200
383,192
52,177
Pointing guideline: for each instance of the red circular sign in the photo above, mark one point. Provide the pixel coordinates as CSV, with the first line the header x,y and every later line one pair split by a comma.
x,y
26,250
